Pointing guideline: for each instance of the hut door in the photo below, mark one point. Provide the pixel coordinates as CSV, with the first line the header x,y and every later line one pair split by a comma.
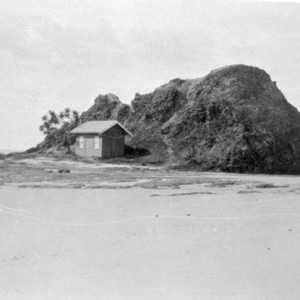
x,y
89,146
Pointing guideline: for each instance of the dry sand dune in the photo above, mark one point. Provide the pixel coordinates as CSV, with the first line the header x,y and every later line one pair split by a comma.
x,y
225,236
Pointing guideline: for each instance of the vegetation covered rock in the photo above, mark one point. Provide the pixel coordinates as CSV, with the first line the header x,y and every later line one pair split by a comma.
x,y
233,119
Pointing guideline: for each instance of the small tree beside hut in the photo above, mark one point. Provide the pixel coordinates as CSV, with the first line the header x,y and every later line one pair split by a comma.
x,y
57,126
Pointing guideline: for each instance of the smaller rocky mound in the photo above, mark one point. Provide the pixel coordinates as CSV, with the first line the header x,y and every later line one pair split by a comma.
x,y
106,107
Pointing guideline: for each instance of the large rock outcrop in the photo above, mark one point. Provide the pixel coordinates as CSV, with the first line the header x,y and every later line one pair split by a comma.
x,y
233,119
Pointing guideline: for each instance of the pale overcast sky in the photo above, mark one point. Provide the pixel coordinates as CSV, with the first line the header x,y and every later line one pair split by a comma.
x,y
59,53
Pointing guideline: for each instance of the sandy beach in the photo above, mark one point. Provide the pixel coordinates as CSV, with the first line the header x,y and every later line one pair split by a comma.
x,y
138,232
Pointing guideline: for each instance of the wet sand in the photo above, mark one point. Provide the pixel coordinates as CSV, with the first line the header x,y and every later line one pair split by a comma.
x,y
142,233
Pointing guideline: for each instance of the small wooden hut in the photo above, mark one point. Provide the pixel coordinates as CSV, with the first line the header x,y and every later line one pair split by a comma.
x,y
100,139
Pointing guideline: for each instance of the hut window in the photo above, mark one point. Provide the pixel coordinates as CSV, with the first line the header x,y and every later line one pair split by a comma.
x,y
81,142
97,141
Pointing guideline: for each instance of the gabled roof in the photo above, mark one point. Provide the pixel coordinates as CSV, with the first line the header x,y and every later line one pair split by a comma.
x,y
98,127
